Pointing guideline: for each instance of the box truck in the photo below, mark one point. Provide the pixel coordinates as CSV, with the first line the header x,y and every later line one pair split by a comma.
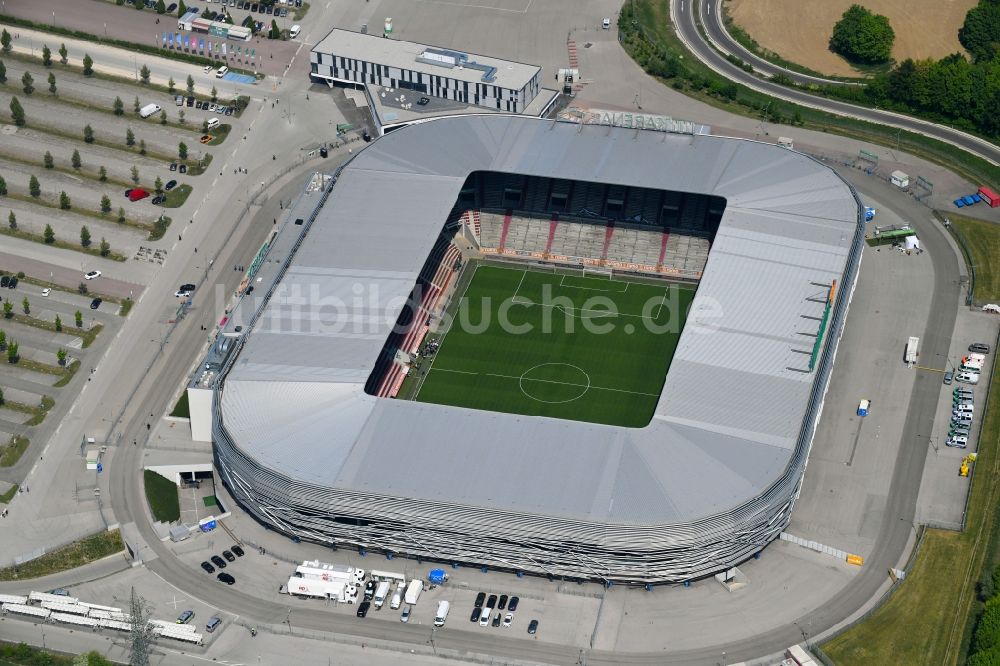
x,y
911,350
381,592
442,613
413,591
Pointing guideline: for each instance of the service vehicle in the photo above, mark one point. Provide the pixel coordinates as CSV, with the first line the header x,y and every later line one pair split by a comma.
x,y
381,592
413,591
442,613
148,110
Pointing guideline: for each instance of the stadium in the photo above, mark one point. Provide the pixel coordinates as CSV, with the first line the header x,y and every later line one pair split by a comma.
x,y
694,289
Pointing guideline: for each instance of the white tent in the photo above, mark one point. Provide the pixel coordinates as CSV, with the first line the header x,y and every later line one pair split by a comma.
x,y
912,243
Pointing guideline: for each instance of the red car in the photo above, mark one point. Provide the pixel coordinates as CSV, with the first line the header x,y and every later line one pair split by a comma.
x,y
136,193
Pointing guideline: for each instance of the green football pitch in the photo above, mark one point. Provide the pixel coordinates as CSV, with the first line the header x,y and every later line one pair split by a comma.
x,y
544,343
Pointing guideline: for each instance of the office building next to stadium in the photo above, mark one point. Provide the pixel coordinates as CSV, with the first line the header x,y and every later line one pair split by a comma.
x,y
308,440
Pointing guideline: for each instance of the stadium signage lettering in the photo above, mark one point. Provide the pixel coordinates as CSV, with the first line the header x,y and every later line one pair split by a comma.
x,y
645,121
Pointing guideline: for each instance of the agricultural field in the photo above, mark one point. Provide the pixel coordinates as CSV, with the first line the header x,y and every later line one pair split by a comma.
x,y
589,348
799,31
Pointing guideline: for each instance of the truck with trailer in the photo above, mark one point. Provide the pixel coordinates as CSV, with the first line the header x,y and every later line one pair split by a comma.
x,y
321,571
413,591
338,590
912,350
989,196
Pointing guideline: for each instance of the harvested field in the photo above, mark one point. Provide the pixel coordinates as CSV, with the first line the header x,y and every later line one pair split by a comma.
x,y
799,31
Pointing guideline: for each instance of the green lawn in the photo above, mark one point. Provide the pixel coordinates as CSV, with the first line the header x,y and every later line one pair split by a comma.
x,y
181,409
161,494
68,557
983,240
546,344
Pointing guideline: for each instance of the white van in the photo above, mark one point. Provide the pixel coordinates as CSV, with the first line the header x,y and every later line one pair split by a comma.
x,y
442,613
213,123
397,599
485,616
959,441
963,409
294,31
148,110
606,24
222,71
381,592
968,377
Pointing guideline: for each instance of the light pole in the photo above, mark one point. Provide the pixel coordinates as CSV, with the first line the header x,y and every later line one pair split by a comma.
x,y
53,19
105,31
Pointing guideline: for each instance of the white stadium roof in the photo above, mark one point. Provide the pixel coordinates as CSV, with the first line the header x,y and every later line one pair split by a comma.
x,y
733,405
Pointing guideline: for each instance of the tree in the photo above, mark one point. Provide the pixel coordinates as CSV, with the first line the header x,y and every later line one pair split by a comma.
x,y
181,9
84,236
980,34
25,305
129,137
121,215
79,315
12,220
3,72
105,247
215,94
47,160
163,117
160,7
118,106
102,175
180,116
3,186
12,356
64,202
49,235
5,41
61,353
158,185
88,134
190,85
105,204
28,83
52,83
142,146
58,324
46,55
3,340
88,65
863,37
136,106
204,126
34,187
182,150
63,54
8,310
135,174
274,33
171,86
16,112
144,74
75,159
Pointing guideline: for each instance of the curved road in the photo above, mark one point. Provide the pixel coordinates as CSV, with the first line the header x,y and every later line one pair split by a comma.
x,y
682,13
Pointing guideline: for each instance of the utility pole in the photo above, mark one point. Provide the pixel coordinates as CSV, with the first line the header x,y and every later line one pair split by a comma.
x,y
140,633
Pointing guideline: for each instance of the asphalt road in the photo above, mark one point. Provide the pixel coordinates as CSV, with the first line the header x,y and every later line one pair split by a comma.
x,y
683,15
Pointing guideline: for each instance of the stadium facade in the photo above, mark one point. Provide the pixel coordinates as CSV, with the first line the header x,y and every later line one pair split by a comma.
x,y
711,480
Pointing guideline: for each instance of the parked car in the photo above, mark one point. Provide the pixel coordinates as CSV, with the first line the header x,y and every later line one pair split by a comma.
x,y
172,7
979,348
136,193
46,291
226,578
199,104
4,281
502,603
60,591
213,624
171,184
508,619
369,590
958,441
207,567
229,556
91,275
185,617
206,138
237,551
96,303
492,601
405,615
480,598
157,200
179,100
512,606
476,611
13,282
218,561
533,627
173,166
497,619
190,101
423,101
182,168
949,376
363,608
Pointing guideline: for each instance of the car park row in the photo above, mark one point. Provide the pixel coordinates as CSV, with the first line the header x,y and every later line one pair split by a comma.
x,y
963,403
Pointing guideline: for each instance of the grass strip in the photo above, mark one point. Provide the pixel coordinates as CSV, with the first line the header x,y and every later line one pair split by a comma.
x,y
182,410
97,215
162,497
38,238
88,335
125,304
11,454
985,250
9,495
177,196
76,554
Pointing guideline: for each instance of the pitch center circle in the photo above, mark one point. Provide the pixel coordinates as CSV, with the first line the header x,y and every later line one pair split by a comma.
x,y
552,384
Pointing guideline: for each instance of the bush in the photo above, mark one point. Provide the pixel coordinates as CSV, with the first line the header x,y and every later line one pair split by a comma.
x,y
863,37
987,633
88,65
64,202
17,112
88,134
49,235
